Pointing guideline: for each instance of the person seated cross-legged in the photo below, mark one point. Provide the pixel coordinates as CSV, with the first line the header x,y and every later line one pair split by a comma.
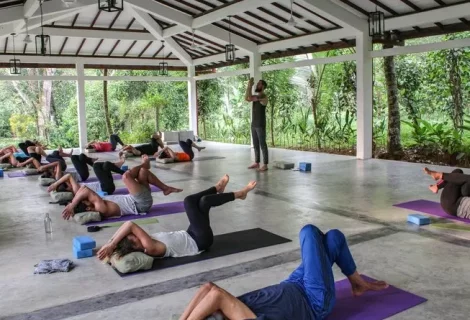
x,y
308,293
137,202
186,155
147,148
198,237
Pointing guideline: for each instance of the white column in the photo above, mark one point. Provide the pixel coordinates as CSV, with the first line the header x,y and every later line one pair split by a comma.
x,y
255,64
82,129
192,100
364,96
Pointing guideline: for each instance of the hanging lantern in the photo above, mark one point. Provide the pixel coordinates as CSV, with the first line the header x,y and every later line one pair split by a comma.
x,y
15,64
43,44
163,66
43,41
229,48
377,24
111,5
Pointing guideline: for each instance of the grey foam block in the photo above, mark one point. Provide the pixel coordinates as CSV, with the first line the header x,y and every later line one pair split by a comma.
x,y
283,165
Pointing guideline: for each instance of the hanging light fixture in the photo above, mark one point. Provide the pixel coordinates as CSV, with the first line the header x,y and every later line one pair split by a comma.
x,y
229,48
43,41
377,24
163,66
111,5
27,38
15,64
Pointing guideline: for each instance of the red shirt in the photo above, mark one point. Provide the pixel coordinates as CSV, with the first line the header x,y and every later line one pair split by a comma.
x,y
182,157
103,146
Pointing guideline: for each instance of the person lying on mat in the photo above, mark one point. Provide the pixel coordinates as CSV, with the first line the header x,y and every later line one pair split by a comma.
x,y
103,170
6,152
308,293
137,202
34,158
186,155
455,196
198,237
148,148
102,146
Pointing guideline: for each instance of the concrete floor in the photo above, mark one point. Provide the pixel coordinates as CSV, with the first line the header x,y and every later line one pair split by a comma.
x,y
341,192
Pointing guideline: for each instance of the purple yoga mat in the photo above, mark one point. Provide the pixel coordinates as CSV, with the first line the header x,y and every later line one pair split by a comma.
x,y
429,207
373,305
16,174
156,210
124,191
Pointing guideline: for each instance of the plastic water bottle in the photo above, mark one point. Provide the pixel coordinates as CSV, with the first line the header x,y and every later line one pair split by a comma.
x,y
48,223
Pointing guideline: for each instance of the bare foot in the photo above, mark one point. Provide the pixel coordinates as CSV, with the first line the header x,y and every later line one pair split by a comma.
x,y
243,193
254,166
169,190
434,188
263,168
200,148
434,174
359,286
220,186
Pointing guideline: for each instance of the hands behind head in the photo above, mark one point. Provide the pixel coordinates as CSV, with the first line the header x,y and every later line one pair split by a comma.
x,y
68,212
106,251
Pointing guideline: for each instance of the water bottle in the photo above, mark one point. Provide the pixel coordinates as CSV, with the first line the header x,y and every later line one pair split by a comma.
x,y
48,223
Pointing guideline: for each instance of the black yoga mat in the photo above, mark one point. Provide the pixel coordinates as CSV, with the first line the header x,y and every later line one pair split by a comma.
x,y
224,245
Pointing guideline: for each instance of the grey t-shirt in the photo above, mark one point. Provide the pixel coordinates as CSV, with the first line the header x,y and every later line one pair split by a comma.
x,y
463,211
126,204
258,115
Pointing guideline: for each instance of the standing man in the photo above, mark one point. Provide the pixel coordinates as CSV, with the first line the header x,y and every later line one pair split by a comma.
x,y
258,122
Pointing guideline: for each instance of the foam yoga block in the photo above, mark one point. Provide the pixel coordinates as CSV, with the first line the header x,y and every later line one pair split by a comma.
x,y
1,173
125,168
30,172
5,166
102,193
79,254
419,219
283,165
305,166
45,182
84,242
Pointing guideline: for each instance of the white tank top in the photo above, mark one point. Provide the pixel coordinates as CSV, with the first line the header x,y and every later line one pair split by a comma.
x,y
126,203
178,243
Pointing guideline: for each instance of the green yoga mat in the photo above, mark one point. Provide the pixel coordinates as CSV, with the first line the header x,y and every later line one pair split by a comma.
x,y
138,222
451,226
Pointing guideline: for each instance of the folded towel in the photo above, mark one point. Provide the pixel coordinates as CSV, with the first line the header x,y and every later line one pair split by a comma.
x,y
55,265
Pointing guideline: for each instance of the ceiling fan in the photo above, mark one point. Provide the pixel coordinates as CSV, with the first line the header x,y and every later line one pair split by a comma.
x,y
295,22
195,46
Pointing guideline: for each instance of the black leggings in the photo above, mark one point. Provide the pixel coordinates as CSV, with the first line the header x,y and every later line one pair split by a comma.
x,y
197,208
148,148
114,140
456,185
103,171
56,157
187,147
81,163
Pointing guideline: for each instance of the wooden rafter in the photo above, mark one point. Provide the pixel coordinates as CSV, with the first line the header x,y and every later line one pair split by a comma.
x,y
80,47
115,19
145,49
130,48
114,47
97,47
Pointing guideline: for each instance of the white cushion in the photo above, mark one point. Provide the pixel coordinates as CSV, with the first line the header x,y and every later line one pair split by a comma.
x,y
61,196
30,172
132,262
5,166
165,160
85,217
45,182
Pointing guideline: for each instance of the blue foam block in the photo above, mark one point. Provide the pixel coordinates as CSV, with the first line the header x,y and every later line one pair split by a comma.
x,y
124,168
102,193
1,173
84,243
419,219
305,166
79,254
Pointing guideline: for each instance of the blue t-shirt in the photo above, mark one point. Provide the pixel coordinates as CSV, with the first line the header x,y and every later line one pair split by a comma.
x,y
284,301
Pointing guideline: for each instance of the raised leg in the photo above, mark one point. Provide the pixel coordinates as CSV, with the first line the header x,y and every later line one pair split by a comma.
x,y
81,166
187,148
104,176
